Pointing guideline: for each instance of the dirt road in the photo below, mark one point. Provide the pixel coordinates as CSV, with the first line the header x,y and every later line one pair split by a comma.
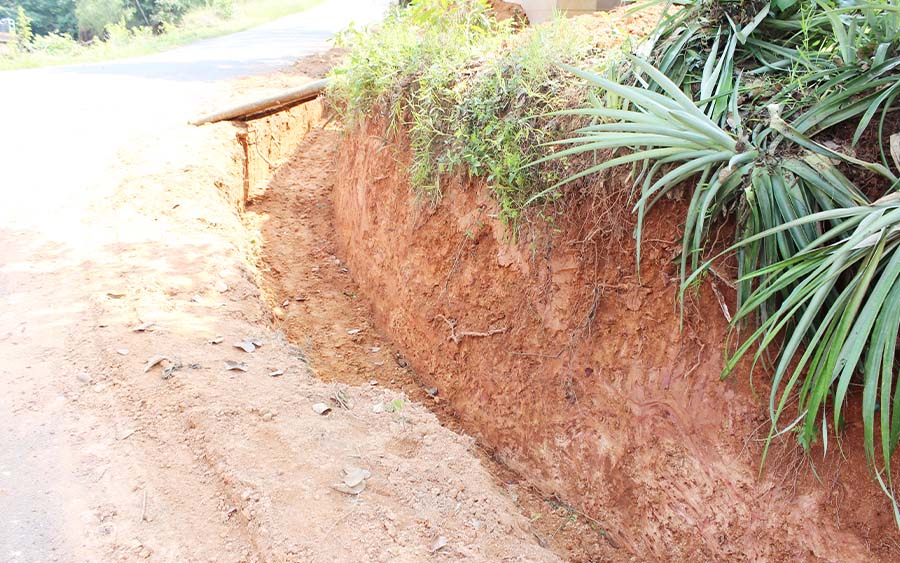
x,y
118,246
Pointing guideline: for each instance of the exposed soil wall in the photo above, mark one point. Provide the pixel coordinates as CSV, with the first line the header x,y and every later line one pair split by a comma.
x,y
267,142
553,352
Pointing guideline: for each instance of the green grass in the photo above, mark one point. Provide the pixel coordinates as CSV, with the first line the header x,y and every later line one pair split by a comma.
x,y
199,24
472,94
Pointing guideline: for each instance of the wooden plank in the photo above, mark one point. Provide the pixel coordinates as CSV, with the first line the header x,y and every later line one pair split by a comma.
x,y
267,106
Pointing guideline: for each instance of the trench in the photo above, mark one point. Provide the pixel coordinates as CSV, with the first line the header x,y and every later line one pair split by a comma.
x,y
588,404
289,166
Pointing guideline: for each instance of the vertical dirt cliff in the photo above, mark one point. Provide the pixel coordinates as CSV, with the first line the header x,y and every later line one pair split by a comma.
x,y
551,350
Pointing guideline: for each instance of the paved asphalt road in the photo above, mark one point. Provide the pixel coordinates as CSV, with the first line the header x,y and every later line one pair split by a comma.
x,y
60,132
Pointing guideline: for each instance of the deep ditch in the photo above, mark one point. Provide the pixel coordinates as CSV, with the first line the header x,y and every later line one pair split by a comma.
x,y
606,422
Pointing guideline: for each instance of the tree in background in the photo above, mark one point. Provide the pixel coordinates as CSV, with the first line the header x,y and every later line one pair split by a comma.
x,y
46,15
158,13
94,15
24,35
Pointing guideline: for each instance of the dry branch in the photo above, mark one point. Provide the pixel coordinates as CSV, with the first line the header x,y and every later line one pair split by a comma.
x,y
267,106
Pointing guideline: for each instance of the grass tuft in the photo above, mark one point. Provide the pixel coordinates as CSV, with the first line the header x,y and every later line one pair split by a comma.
x,y
473,94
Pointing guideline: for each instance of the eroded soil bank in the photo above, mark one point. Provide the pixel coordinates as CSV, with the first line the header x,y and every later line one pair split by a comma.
x,y
549,349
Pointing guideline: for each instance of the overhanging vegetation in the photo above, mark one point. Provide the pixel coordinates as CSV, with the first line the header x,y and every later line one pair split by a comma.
x,y
774,115
472,93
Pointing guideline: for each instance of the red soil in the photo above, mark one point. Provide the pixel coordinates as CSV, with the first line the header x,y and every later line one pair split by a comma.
x,y
550,349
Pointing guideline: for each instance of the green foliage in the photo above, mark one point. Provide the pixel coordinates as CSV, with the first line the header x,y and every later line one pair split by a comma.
x,y
50,16
471,94
134,37
162,12
95,15
55,44
759,108
24,35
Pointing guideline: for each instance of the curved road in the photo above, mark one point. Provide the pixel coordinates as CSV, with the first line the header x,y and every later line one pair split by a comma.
x,y
61,131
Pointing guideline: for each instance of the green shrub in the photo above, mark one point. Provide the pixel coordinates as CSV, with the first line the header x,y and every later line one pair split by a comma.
x,y
55,44
758,108
472,94
95,15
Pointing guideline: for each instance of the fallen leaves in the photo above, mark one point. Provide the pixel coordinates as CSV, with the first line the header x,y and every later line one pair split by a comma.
x,y
154,361
248,345
321,408
235,366
354,481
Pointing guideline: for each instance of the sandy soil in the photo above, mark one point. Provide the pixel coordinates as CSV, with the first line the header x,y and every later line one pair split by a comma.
x,y
187,460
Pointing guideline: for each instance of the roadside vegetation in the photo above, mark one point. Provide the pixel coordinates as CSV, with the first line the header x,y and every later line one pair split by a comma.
x,y
473,94
53,32
778,117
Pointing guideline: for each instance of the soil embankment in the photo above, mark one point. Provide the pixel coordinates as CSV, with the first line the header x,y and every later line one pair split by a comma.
x,y
551,350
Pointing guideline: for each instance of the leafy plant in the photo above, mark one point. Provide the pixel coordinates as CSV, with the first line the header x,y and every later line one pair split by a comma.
x,y
747,103
471,94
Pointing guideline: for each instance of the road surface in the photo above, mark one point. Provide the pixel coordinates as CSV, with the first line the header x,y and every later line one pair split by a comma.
x,y
62,131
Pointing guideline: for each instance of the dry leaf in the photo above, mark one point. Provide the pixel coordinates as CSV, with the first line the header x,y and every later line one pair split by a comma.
x,y
142,327
340,487
439,543
276,373
237,366
245,345
353,476
216,340
321,408
154,361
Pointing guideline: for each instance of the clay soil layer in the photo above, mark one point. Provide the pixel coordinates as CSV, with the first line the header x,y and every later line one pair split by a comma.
x,y
550,350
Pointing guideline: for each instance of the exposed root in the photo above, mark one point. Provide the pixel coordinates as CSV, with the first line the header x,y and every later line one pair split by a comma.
x,y
457,337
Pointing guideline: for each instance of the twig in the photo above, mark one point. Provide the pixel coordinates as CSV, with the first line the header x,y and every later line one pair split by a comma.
x,y
262,156
339,519
721,301
102,473
144,507
725,280
458,336
536,355
696,365
129,433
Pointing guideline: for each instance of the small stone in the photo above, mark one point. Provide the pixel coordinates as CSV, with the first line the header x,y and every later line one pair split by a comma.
x,y
321,408
278,312
122,351
84,377
221,286
145,553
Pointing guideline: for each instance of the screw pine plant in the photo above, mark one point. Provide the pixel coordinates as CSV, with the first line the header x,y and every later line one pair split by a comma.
x,y
758,109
